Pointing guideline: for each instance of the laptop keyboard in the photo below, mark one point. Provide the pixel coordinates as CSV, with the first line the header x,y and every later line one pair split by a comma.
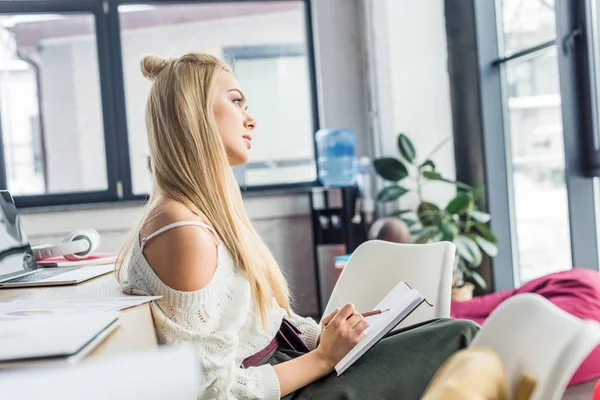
x,y
41,274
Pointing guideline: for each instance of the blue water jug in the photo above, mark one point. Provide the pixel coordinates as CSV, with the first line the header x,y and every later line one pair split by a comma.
x,y
335,156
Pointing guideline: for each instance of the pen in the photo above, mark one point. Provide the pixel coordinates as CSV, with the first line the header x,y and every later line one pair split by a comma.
x,y
374,312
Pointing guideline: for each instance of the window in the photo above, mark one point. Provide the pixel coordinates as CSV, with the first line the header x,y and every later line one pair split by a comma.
x,y
52,129
538,163
72,98
533,127
532,102
266,44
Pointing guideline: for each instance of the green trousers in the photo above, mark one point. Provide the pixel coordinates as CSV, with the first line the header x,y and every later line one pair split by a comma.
x,y
400,366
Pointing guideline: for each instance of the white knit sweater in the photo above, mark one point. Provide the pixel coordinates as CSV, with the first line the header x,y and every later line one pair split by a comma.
x,y
221,320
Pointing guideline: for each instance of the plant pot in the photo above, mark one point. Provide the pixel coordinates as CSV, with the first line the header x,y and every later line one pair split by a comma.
x,y
463,293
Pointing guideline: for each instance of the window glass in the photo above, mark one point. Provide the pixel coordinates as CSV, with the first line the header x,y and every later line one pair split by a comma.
x,y
525,24
50,104
533,104
266,44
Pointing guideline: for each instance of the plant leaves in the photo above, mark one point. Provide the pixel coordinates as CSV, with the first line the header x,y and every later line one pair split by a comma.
x,y
484,231
391,193
436,176
449,231
480,216
476,278
478,193
428,163
432,175
468,250
398,213
488,247
460,203
410,222
429,214
390,168
427,234
406,148
416,231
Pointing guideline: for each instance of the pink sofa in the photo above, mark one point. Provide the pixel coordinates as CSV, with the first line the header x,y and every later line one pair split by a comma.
x,y
576,291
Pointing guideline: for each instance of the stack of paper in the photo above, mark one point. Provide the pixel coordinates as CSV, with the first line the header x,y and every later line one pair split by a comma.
x,y
19,309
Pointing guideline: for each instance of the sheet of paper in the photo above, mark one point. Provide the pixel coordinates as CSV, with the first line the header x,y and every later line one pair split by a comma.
x,y
41,308
168,373
401,300
394,300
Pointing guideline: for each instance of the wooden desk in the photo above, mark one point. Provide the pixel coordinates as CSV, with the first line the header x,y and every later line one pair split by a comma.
x,y
136,330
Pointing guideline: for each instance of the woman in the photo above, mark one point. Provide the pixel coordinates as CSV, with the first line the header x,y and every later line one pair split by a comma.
x,y
221,287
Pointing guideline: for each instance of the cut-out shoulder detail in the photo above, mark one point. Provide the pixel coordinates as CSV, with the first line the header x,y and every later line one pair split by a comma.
x,y
176,225
221,320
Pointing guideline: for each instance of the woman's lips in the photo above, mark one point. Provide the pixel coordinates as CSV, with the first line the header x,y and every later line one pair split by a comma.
x,y
248,140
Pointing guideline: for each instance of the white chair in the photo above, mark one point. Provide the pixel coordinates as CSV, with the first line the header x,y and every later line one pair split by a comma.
x,y
532,335
376,266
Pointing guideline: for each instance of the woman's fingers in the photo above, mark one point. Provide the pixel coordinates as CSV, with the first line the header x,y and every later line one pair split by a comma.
x,y
328,318
360,326
354,320
345,313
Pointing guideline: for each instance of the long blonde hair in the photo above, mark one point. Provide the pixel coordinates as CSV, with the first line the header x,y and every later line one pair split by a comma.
x,y
189,165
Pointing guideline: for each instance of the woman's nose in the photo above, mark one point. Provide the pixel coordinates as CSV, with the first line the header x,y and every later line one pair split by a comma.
x,y
250,123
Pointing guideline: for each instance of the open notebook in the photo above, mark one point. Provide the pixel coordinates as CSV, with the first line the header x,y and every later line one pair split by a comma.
x,y
401,301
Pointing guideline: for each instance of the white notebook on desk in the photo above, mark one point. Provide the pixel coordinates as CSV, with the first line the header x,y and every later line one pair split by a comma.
x,y
53,340
401,301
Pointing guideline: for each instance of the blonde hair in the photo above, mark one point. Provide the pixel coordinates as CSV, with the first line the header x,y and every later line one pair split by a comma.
x,y
190,166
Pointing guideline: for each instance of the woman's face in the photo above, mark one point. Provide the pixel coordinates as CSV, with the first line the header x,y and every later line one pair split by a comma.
x,y
233,122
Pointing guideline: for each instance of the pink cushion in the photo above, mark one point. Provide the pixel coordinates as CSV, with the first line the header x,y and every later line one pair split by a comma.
x,y
576,291
596,395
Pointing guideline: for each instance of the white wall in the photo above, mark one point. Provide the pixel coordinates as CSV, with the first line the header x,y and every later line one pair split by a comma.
x,y
420,85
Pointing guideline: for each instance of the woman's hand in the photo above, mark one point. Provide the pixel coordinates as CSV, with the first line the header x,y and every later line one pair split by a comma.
x,y
340,332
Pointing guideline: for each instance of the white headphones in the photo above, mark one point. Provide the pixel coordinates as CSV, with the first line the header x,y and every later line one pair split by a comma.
x,y
76,246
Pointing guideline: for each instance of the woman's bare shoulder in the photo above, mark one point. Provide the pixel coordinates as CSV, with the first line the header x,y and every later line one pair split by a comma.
x,y
184,258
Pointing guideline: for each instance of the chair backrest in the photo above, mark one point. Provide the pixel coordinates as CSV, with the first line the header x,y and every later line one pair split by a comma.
x,y
532,335
375,267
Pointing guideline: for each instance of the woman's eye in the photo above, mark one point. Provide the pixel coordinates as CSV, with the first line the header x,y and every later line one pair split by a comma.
x,y
238,101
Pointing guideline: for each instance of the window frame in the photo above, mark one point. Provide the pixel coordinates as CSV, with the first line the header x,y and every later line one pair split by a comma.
x,y
486,142
112,89
96,9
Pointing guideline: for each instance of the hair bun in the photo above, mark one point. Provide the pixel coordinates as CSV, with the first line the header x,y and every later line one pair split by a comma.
x,y
151,66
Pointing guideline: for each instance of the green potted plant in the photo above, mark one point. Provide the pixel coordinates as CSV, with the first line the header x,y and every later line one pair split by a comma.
x,y
459,221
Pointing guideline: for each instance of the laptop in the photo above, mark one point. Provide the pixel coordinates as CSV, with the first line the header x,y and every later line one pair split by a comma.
x,y
63,339
17,263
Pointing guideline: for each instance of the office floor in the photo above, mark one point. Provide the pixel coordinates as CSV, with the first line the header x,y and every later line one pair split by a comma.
x,y
580,392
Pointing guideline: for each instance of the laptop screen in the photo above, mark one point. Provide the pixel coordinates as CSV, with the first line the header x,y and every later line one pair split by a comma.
x,y
16,255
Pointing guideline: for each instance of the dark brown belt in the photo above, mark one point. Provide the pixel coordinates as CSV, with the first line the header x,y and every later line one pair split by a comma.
x,y
288,336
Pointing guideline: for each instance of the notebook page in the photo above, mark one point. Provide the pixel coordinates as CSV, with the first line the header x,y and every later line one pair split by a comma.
x,y
401,301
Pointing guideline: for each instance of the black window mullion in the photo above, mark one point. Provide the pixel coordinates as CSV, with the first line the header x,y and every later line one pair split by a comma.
x,y
120,107
582,156
108,110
